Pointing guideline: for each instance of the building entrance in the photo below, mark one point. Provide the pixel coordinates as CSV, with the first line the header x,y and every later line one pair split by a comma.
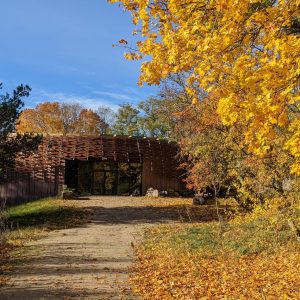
x,y
103,178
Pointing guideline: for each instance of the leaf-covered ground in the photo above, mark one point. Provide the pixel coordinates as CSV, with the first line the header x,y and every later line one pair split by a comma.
x,y
203,261
190,256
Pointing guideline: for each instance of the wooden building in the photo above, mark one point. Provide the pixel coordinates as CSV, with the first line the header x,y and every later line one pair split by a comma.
x,y
104,165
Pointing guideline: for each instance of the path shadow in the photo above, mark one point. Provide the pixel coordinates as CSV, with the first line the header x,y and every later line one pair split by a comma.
x,y
61,293
60,259
56,218
154,214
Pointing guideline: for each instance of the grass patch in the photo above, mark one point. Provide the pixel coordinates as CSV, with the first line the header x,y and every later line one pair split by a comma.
x,y
209,239
48,213
242,240
33,220
206,240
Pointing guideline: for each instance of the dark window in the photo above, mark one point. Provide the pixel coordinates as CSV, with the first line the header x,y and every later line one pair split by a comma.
x,y
103,178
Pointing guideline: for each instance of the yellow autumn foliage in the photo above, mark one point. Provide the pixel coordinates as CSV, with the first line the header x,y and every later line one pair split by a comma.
x,y
247,51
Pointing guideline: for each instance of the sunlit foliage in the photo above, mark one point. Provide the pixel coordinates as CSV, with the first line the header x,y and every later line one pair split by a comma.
x,y
60,118
247,52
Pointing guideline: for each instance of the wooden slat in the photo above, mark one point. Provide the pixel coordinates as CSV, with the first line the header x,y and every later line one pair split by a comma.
x,y
44,170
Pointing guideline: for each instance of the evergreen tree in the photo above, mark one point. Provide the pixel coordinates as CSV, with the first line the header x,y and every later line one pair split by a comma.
x,y
10,143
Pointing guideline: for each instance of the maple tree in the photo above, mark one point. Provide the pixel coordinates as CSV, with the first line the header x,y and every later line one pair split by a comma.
x,y
246,51
46,118
89,122
217,157
60,118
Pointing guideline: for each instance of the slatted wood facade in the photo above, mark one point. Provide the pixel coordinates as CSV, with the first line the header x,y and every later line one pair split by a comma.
x,y
42,173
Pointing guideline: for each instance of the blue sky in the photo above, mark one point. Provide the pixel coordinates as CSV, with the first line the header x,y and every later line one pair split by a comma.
x,y
63,50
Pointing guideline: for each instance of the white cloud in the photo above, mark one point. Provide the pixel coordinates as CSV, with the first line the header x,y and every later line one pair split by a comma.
x,y
135,94
88,102
117,96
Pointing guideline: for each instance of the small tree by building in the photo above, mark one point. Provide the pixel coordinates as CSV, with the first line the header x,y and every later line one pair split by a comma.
x,y
10,142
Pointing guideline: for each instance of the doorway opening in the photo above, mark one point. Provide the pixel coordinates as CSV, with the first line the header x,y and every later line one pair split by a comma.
x,y
103,177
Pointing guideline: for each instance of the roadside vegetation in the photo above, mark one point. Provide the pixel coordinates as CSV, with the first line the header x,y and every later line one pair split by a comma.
x,y
23,223
246,257
229,73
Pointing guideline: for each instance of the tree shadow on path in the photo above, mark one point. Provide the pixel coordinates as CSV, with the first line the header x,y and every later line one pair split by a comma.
x,y
154,214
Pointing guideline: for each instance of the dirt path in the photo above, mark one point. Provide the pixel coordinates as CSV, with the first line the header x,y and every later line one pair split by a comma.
x,y
89,262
